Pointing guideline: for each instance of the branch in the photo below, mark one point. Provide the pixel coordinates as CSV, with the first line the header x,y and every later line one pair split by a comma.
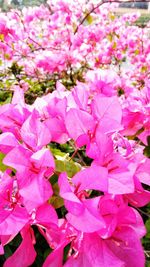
x,y
85,17
76,152
101,3
143,212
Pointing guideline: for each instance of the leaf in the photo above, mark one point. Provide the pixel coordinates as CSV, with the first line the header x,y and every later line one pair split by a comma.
x,y
110,37
146,150
2,166
147,224
137,52
89,19
144,69
2,37
53,179
7,56
74,26
8,100
112,16
64,163
68,166
59,166
58,153
148,140
8,252
114,46
56,201
72,168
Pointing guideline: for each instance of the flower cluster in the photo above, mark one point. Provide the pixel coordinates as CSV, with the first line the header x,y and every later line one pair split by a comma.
x,y
75,162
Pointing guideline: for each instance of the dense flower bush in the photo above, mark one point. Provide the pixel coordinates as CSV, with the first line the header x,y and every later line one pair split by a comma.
x,y
75,136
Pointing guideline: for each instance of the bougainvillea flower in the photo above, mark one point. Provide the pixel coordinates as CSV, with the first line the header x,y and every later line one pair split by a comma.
x,y
119,250
35,191
13,215
81,96
45,216
97,179
120,177
55,258
103,81
132,121
123,224
12,118
78,124
7,142
140,197
25,253
142,172
23,160
35,133
32,173
95,253
108,112
78,212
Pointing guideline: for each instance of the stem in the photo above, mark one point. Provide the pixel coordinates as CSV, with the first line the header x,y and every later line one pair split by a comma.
x,y
143,212
76,152
101,3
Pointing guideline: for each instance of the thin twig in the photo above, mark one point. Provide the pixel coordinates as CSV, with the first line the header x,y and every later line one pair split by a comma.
x,y
101,3
78,154
143,212
147,253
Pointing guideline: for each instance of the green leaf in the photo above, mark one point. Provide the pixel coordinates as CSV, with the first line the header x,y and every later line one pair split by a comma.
x,y
137,51
110,37
147,224
7,56
2,37
63,163
114,46
53,179
112,16
8,252
68,166
58,153
2,166
72,168
8,100
56,201
59,166
148,140
144,69
147,148
89,19
66,251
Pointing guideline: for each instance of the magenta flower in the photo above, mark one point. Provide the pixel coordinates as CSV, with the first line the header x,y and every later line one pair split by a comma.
x,y
25,253
35,133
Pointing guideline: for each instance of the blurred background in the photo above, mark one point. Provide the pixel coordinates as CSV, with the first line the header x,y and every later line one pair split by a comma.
x,y
6,4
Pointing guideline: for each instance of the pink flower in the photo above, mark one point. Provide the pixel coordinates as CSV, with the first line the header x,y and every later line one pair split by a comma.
x,y
79,123
13,215
80,215
35,133
25,253
32,173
